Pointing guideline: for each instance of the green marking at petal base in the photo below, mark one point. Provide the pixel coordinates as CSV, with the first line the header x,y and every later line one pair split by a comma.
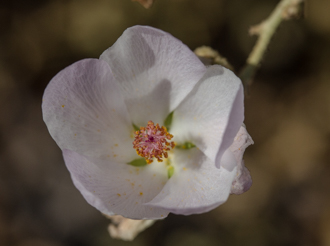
x,y
136,128
170,171
186,145
140,162
168,121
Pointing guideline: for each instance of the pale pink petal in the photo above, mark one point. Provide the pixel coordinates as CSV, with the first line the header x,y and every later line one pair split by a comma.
x,y
155,70
196,186
85,113
117,188
211,115
242,181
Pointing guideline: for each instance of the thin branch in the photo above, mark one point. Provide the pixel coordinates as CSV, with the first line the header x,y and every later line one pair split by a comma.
x,y
266,29
210,56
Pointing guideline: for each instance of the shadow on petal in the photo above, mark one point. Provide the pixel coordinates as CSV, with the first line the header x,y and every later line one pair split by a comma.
x,y
228,160
157,100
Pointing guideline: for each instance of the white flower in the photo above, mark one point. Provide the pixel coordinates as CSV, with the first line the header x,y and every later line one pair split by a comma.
x,y
92,106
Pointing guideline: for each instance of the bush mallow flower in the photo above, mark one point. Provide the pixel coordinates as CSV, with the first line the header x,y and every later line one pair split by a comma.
x,y
147,129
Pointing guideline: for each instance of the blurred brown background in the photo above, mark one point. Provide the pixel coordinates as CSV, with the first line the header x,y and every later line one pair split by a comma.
x,y
287,114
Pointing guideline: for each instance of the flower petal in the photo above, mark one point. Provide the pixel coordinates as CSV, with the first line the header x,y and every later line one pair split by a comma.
x,y
196,186
155,70
211,115
85,113
121,189
242,181
241,141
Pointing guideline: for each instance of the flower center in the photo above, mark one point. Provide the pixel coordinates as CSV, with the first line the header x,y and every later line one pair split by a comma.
x,y
152,141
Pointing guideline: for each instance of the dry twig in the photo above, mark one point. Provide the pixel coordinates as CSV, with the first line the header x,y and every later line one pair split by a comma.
x,y
286,9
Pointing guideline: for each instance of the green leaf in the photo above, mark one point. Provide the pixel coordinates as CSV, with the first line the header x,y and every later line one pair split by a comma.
x,y
136,128
168,121
186,145
140,162
170,171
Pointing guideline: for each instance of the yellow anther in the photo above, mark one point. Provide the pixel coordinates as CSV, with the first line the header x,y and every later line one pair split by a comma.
x,y
152,142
